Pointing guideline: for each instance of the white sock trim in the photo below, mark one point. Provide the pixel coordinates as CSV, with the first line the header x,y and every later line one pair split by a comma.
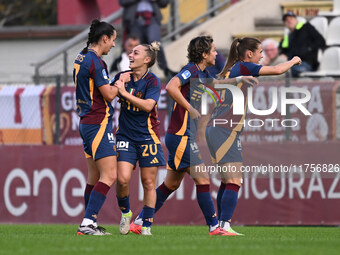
x,y
224,224
87,222
212,228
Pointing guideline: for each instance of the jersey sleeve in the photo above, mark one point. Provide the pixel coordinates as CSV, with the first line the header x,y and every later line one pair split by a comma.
x,y
100,75
185,75
153,89
254,69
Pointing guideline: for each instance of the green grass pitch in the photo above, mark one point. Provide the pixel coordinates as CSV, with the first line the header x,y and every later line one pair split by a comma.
x,y
62,239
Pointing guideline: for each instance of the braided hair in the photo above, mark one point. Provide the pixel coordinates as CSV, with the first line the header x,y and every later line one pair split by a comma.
x,y
97,30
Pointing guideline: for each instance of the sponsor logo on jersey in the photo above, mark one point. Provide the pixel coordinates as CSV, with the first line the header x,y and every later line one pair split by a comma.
x,y
239,146
122,145
110,137
194,147
186,74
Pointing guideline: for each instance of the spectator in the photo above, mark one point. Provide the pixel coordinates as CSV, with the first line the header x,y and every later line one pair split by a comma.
x,y
304,41
271,51
122,62
271,57
143,18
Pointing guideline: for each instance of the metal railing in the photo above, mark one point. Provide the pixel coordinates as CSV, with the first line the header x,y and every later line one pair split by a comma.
x,y
174,30
178,29
62,50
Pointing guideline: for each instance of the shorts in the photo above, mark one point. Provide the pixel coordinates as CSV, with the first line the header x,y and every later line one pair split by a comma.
x,y
98,140
224,145
182,152
148,153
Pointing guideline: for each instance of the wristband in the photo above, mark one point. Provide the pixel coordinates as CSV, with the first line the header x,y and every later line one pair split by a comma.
x,y
238,79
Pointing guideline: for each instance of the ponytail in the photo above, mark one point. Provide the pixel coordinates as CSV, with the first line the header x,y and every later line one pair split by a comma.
x,y
97,30
237,52
152,51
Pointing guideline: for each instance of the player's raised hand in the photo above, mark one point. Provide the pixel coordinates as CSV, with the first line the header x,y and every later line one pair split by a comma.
x,y
125,77
121,87
250,80
296,60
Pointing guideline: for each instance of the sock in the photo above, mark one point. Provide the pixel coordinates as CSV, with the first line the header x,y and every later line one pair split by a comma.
x,y
138,220
219,198
206,204
224,224
87,193
96,201
229,201
212,228
124,204
148,214
163,192
87,222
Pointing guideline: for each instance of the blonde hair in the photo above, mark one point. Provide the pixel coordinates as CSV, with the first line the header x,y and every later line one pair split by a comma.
x,y
152,51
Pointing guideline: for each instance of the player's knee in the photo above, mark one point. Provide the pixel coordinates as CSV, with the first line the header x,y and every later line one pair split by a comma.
x,y
173,186
202,181
148,184
123,180
236,181
108,179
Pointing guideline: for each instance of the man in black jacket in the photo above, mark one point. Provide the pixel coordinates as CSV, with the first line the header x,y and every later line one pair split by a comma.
x,y
143,18
303,41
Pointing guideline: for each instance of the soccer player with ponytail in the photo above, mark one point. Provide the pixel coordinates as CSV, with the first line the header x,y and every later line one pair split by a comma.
x,y
186,90
138,134
223,140
94,95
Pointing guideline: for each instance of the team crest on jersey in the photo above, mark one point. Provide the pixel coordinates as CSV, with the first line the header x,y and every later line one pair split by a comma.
x,y
105,74
139,94
186,74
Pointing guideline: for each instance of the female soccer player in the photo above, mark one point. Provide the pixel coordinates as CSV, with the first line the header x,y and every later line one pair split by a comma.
x,y
138,136
186,90
223,140
94,95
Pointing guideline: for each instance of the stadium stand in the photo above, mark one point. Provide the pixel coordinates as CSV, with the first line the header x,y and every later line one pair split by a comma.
x,y
335,10
333,35
321,24
307,8
329,64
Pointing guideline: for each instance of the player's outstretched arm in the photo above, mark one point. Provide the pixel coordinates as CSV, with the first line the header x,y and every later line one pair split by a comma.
x,y
246,79
280,68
